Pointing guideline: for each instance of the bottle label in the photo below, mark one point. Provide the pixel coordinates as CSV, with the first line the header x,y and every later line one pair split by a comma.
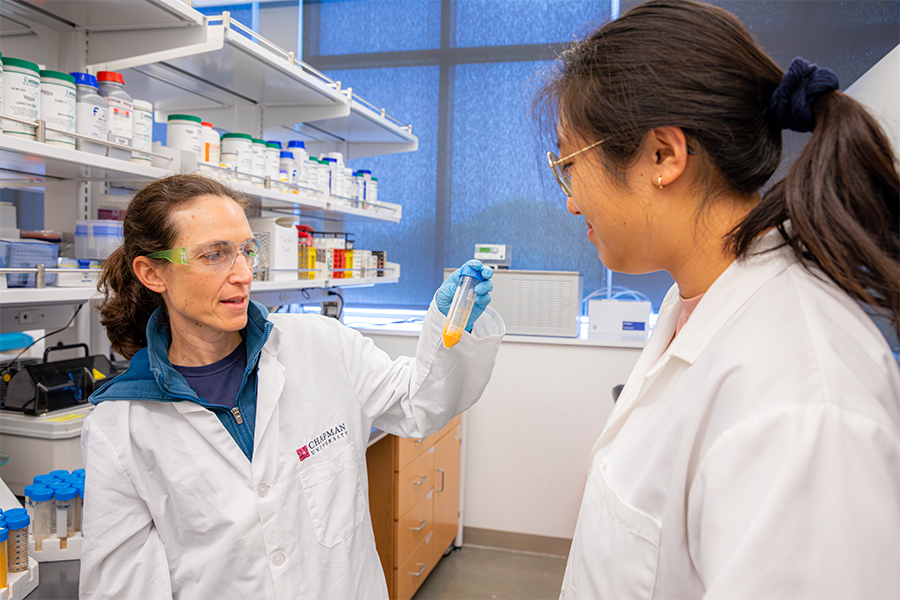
x,y
121,120
62,522
92,120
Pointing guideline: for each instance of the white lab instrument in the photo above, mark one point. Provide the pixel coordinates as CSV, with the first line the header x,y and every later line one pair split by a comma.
x,y
619,319
537,302
495,255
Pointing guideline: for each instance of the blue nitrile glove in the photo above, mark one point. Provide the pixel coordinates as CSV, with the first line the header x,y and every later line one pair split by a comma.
x,y
444,296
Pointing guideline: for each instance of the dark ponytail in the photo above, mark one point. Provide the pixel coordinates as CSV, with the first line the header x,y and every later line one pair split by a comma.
x,y
842,200
695,66
127,304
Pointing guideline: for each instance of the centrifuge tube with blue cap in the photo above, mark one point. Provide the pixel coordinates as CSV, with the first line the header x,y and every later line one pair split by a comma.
x,y
461,307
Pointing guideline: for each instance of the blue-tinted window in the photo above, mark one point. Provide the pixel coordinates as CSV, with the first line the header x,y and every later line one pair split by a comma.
x,y
502,189
356,26
511,22
408,179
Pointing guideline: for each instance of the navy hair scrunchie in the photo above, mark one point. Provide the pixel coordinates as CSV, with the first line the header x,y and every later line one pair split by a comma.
x,y
801,85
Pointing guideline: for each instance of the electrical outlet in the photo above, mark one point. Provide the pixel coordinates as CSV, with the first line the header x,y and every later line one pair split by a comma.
x,y
29,317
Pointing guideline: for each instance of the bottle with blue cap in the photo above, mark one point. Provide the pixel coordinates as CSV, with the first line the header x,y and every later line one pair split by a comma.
x,y
91,114
301,160
29,505
65,524
461,307
41,526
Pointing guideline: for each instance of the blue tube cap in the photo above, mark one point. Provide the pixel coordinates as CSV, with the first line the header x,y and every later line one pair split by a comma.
x,y
18,522
29,489
469,271
59,473
42,495
13,512
65,494
78,472
42,478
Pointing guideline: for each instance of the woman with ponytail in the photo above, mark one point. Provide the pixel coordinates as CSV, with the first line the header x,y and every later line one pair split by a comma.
x,y
228,461
754,451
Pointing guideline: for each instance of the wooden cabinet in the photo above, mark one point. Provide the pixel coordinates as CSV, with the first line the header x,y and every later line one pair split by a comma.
x,y
414,501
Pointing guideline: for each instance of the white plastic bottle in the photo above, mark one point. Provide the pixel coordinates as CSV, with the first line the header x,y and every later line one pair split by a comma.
x,y
183,133
91,114
142,137
21,95
259,162
287,170
273,160
241,145
301,156
58,107
121,109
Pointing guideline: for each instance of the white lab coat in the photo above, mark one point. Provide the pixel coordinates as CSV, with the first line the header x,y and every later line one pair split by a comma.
x,y
173,508
757,456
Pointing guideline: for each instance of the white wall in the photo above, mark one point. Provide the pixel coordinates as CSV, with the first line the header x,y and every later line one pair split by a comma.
x,y
530,435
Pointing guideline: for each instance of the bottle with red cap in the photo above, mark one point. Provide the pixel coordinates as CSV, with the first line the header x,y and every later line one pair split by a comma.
x,y
121,112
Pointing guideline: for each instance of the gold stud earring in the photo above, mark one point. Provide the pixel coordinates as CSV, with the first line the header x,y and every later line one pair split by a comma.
x,y
660,183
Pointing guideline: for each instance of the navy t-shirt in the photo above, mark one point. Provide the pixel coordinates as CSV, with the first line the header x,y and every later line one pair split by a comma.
x,y
220,382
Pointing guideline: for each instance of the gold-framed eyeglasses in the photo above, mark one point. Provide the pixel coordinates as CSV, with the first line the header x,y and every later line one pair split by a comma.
x,y
560,167
213,256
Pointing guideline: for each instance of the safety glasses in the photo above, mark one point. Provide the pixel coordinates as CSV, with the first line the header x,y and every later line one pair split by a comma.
x,y
213,256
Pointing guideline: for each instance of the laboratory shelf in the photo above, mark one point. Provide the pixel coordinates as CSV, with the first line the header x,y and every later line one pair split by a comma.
x,y
29,162
93,16
48,295
369,130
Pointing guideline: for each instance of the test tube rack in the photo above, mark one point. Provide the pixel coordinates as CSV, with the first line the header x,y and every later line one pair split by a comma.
x,y
19,585
51,552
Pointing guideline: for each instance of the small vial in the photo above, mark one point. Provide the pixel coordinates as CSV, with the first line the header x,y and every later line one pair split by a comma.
x,y
59,485
29,505
17,544
461,307
43,505
4,535
65,524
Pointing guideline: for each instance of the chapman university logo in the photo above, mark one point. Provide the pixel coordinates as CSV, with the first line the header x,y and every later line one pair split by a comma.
x,y
320,442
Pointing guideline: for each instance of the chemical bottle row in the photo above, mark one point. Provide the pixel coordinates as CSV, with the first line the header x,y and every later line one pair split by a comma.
x,y
94,106
241,157
100,108
52,510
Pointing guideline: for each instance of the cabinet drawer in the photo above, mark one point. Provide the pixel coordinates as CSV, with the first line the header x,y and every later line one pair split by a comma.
x,y
408,449
411,573
414,482
413,527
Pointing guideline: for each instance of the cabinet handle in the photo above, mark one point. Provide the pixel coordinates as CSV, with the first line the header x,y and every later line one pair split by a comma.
x,y
441,471
421,481
420,527
422,570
